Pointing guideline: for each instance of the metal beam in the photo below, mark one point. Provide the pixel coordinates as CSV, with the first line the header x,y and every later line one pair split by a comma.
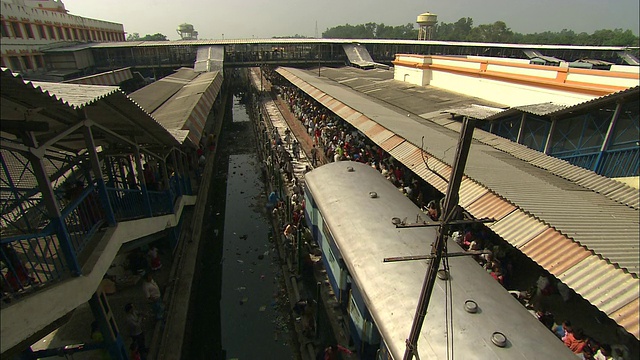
x,y
17,126
9,145
61,135
116,135
126,118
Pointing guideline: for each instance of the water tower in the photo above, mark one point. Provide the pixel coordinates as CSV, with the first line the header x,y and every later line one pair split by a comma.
x,y
187,32
426,22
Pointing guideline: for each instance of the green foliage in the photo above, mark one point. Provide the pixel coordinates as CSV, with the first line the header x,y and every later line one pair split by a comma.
x,y
154,37
371,31
296,36
498,32
133,37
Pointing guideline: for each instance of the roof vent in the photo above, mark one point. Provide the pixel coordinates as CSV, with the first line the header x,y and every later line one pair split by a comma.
x,y
443,274
373,194
396,221
350,169
499,339
471,306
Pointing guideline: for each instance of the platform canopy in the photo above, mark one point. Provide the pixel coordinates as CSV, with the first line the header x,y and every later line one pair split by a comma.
x,y
181,101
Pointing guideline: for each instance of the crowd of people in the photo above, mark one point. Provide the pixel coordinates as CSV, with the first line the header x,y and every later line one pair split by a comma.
x,y
337,140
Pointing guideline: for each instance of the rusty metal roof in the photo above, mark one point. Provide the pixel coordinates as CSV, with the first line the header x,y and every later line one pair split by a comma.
x,y
537,211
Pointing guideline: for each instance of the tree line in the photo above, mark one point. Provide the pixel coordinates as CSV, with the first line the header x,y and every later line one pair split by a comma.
x,y
155,37
498,32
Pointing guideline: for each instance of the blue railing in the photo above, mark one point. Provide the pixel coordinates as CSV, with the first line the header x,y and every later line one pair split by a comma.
x,y
610,163
161,202
83,217
586,161
619,163
29,260
127,204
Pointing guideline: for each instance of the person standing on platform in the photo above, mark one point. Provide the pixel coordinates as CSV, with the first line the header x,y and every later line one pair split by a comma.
x,y
134,323
152,294
314,156
295,148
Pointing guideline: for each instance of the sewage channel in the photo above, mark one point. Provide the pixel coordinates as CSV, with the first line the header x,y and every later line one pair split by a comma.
x,y
241,310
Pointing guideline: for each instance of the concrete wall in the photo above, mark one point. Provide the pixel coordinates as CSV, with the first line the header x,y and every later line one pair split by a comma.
x,y
511,83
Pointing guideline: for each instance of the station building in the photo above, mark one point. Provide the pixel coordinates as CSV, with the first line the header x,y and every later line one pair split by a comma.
x,y
31,26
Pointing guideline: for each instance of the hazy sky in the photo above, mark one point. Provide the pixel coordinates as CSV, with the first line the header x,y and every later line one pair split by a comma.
x,y
266,18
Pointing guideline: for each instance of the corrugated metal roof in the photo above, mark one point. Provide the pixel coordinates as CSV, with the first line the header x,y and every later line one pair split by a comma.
x,y
542,109
105,105
152,96
109,78
630,92
182,101
536,210
475,111
75,95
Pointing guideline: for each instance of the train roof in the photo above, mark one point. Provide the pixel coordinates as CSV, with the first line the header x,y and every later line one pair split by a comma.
x,y
361,226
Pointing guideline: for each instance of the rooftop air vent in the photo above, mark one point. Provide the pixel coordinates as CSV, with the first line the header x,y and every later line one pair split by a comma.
x,y
471,306
443,274
373,194
350,169
499,339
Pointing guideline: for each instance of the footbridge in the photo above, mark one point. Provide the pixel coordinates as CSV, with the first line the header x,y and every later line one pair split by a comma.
x,y
302,52
85,170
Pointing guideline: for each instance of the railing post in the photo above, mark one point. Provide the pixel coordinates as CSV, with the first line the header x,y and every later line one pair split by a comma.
x,y
97,171
143,185
52,206
185,172
165,175
176,173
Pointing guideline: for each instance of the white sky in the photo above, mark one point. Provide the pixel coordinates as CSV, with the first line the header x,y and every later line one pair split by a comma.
x,y
266,18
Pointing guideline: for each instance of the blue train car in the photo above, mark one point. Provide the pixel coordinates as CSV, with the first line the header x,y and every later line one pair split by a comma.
x,y
350,207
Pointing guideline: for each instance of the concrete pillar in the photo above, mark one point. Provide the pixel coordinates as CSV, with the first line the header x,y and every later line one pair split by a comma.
x,y
97,171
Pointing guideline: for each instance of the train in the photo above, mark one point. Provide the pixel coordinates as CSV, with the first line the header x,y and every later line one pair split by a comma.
x,y
352,212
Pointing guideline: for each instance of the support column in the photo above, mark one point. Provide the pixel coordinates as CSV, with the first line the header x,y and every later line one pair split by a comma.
x,y
51,204
552,129
177,174
143,185
607,138
109,165
521,130
97,171
123,176
183,174
165,176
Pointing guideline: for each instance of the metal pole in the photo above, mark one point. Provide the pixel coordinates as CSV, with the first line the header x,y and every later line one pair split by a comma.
x,y
318,60
451,201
